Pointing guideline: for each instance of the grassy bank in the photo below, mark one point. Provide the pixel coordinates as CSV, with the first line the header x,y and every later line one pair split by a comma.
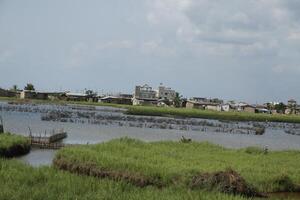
x,y
19,181
13,145
165,164
206,114
175,112
61,102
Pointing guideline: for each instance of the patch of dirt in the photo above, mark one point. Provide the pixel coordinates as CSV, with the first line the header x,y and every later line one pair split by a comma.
x,y
285,184
91,169
228,181
14,151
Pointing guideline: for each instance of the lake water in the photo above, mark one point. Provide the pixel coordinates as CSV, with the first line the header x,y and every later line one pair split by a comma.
x,y
115,124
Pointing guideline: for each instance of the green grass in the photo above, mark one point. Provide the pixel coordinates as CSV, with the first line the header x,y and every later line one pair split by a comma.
x,y
13,145
61,102
207,114
20,181
175,163
175,112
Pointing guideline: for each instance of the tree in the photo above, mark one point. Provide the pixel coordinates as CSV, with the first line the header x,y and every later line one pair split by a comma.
x,y
14,88
91,93
280,108
177,100
29,86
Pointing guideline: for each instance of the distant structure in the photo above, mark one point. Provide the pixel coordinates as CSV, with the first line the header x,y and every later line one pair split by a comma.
x,y
146,95
292,107
117,99
165,93
144,92
8,93
30,94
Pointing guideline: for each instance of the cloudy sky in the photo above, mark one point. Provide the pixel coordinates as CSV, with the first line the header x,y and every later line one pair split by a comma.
x,y
238,49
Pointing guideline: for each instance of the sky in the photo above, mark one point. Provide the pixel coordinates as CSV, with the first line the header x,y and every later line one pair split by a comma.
x,y
239,49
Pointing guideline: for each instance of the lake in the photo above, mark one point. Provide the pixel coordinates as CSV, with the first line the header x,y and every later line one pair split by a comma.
x,y
90,124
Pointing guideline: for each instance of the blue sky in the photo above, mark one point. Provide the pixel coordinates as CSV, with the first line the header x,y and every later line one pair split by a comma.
x,y
238,49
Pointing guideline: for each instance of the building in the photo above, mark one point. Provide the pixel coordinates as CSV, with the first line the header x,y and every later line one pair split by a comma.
x,y
144,95
203,105
70,96
144,92
7,93
31,94
292,107
118,99
144,102
165,93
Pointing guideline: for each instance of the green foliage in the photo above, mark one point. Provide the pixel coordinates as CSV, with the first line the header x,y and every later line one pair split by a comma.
x,y
14,88
13,145
280,108
207,114
174,163
29,86
254,150
177,100
20,181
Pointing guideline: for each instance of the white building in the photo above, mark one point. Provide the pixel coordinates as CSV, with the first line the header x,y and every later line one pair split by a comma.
x,y
144,92
165,93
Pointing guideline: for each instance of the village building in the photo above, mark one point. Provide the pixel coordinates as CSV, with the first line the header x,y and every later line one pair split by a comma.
x,y
144,92
165,93
71,96
7,93
144,102
203,105
144,95
31,94
118,99
292,107
262,109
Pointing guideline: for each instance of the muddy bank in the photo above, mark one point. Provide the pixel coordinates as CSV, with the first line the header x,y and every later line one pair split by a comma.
x,y
91,169
15,151
229,182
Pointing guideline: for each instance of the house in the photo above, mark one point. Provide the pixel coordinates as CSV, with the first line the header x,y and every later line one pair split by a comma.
x,y
70,96
7,93
31,94
119,99
226,107
144,102
203,105
262,109
248,108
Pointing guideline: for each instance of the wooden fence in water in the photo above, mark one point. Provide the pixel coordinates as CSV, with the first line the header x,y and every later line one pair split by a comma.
x,y
48,142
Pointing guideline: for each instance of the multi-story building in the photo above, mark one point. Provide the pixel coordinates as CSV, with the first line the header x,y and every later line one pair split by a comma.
x,y
144,92
166,93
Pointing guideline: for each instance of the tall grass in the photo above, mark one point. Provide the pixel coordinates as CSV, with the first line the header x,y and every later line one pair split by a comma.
x,y
13,145
207,114
20,181
177,112
174,162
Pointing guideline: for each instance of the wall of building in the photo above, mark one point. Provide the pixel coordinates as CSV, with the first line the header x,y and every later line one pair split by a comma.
x,y
166,93
144,92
